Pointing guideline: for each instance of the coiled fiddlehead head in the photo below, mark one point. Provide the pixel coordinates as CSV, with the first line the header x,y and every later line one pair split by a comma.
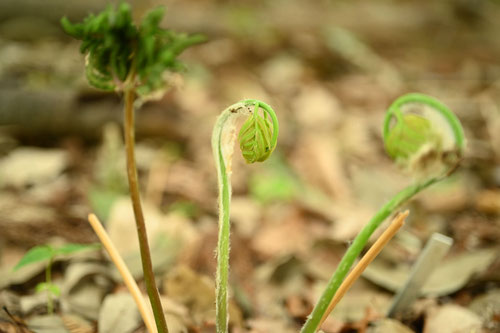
x,y
258,137
422,141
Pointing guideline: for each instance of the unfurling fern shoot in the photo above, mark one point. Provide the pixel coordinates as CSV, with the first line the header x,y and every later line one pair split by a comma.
x,y
133,60
257,138
430,144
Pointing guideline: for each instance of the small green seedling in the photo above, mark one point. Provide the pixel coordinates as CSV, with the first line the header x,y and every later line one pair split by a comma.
x,y
48,253
134,60
258,137
430,145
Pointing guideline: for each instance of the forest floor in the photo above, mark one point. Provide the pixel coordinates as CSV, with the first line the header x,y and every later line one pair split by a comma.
x,y
329,70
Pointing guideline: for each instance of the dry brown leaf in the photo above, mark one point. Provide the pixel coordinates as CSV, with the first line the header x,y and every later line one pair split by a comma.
x,y
47,324
320,153
349,220
282,74
185,180
118,314
488,201
17,168
76,324
245,215
452,195
282,235
451,318
449,277
267,325
487,307
388,326
197,293
317,108
122,228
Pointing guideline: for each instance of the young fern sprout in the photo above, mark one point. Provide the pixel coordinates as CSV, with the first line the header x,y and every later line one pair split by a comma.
x,y
258,137
431,144
133,60
48,254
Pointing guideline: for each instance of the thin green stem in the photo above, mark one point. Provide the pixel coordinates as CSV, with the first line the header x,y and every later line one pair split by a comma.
x,y
147,266
223,139
48,281
355,249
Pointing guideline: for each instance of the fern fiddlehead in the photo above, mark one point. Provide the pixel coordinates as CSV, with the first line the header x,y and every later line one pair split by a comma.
x,y
258,137
411,142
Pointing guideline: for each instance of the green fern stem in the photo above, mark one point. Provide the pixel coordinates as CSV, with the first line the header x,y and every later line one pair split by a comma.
x,y
223,140
355,249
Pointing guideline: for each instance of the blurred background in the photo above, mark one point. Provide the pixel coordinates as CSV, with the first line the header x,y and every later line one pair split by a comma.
x,y
329,69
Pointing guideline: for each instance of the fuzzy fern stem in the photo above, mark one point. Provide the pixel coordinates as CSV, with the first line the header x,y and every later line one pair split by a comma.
x,y
223,140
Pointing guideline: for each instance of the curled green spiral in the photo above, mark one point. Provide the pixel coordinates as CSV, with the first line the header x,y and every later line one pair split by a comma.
x,y
412,132
258,136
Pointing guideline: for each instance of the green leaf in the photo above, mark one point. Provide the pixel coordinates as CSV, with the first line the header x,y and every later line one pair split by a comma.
x,y
117,49
72,248
36,254
49,287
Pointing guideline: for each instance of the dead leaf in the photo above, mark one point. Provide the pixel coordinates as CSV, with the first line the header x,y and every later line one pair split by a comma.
x,y
24,274
487,307
267,325
319,152
76,324
316,107
118,314
387,325
185,180
84,287
245,215
277,279
81,272
175,324
197,292
282,73
16,169
35,303
451,318
354,305
449,277
47,324
10,320
488,201
451,195
298,307
284,233
167,235
122,229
